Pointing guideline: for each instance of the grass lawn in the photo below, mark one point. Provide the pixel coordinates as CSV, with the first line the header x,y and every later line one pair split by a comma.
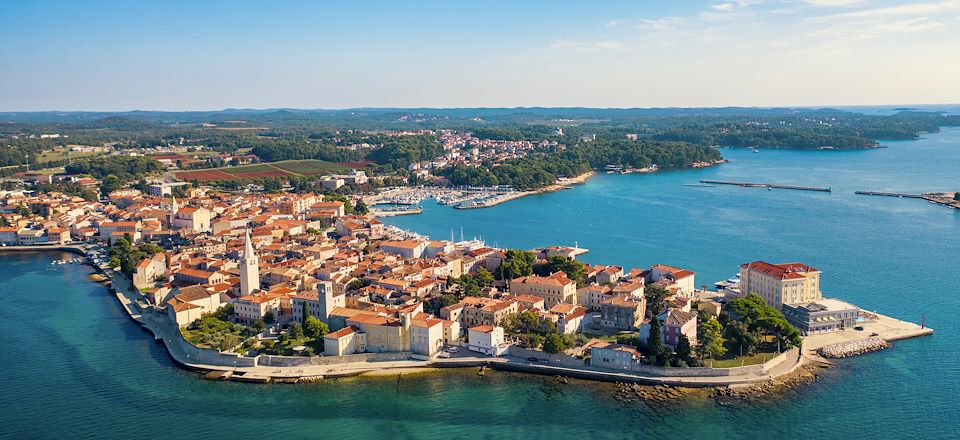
x,y
51,155
758,358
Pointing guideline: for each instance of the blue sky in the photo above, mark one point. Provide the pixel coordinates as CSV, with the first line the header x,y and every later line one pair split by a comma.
x,y
181,55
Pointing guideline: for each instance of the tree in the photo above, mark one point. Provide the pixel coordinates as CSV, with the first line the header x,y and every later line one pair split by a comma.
x,y
533,340
361,208
259,326
710,339
655,339
956,196
268,318
296,330
315,328
684,350
109,184
553,343
656,298
517,263
572,268
741,337
228,341
484,277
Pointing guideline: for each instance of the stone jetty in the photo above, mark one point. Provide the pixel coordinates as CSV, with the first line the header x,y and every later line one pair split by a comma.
x,y
852,348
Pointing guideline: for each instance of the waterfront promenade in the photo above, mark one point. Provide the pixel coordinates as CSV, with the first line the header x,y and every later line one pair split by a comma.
x,y
164,330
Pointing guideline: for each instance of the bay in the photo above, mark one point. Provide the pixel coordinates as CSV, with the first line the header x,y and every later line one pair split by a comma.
x,y
76,367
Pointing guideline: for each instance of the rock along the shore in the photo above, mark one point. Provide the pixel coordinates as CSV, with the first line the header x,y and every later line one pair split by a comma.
x,y
852,348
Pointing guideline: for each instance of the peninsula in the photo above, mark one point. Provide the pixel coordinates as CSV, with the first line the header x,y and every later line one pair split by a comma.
x,y
289,287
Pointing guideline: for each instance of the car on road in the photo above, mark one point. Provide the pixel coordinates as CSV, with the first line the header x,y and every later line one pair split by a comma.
x,y
858,328
532,359
453,349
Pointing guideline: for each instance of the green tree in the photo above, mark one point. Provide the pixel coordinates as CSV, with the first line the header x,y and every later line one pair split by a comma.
x,y
684,350
361,208
110,183
228,341
655,338
259,326
484,277
656,298
296,330
268,318
710,340
553,343
956,196
517,263
315,328
740,336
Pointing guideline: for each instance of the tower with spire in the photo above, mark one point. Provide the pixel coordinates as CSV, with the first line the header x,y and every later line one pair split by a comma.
x,y
249,267
173,211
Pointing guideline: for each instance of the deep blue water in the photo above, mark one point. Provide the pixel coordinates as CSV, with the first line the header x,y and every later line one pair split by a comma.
x,y
74,366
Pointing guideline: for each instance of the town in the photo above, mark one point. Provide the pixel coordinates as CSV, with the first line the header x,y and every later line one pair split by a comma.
x,y
295,280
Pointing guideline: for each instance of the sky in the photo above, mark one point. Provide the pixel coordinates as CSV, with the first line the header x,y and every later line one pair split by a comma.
x,y
188,55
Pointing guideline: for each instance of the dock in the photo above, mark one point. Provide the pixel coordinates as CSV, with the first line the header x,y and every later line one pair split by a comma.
x,y
945,199
889,194
766,185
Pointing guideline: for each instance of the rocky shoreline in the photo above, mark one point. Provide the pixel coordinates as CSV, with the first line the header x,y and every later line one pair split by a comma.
x,y
852,348
665,394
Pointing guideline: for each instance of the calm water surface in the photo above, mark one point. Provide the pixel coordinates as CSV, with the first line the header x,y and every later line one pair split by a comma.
x,y
76,367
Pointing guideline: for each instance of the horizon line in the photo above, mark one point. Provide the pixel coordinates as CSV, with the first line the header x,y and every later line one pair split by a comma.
x,y
224,109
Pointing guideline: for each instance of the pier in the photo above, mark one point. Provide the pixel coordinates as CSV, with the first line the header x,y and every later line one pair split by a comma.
x,y
945,199
889,194
766,185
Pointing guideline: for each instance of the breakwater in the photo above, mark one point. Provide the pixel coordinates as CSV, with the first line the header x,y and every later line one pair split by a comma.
x,y
766,185
853,348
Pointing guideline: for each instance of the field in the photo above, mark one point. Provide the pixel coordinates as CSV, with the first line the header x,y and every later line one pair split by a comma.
x,y
283,169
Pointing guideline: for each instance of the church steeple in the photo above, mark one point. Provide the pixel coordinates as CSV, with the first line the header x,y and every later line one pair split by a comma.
x,y
249,267
173,211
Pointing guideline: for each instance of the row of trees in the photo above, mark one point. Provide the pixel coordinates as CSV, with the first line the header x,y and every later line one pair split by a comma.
x,y
536,332
126,256
541,169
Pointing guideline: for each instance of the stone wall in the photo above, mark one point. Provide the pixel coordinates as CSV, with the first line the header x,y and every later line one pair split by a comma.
x,y
555,359
296,361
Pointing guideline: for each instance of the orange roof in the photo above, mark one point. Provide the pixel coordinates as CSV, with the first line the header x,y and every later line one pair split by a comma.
x,y
482,329
349,330
781,271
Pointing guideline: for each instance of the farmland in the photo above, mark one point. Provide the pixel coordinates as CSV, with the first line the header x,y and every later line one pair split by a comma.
x,y
283,169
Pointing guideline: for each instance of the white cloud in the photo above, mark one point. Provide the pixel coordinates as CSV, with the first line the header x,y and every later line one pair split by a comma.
x,y
922,8
589,46
834,3
659,24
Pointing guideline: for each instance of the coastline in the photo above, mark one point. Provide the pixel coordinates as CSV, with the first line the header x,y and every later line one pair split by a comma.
x,y
560,185
230,366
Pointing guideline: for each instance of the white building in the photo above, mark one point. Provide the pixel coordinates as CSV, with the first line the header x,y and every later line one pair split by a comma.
x,y
487,339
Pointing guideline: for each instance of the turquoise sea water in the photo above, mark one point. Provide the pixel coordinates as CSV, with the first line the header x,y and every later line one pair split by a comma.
x,y
74,366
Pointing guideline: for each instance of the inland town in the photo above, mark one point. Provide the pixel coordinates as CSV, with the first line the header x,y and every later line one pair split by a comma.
x,y
283,286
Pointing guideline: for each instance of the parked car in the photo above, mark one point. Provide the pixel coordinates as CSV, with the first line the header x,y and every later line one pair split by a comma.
x,y
532,359
453,349
859,328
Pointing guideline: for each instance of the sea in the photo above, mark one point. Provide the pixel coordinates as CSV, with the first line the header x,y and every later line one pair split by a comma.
x,y
75,366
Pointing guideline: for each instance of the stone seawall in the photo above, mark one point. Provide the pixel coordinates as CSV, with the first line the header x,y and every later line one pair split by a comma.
x,y
299,361
852,348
